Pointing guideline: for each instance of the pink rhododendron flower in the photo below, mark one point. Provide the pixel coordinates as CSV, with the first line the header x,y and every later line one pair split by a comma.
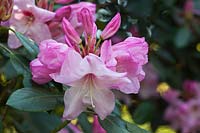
x,y
92,72
49,60
29,20
130,55
184,112
90,83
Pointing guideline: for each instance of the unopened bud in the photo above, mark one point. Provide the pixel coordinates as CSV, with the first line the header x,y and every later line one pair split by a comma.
x,y
5,9
112,27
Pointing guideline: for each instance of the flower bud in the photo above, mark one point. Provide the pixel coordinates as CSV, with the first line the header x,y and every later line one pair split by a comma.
x,y
96,127
86,18
112,27
70,32
5,9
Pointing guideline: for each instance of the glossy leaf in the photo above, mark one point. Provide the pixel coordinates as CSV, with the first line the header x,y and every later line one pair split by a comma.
x,y
30,99
113,124
144,112
30,45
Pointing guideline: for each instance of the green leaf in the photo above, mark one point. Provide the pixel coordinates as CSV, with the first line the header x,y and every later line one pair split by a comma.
x,y
19,65
21,68
104,15
146,6
182,37
84,123
132,128
30,45
144,112
30,99
37,122
113,124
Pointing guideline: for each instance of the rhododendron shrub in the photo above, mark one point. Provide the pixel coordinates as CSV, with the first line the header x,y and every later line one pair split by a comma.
x,y
99,66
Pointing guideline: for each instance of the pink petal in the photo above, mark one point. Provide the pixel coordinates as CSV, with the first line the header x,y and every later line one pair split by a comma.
x,y
13,41
23,5
52,53
107,54
38,32
62,12
73,103
104,102
40,72
137,47
41,15
70,69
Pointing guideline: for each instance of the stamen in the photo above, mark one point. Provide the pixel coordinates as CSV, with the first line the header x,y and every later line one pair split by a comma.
x,y
91,99
91,91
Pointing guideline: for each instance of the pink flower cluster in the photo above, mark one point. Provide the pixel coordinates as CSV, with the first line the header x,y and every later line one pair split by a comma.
x,y
184,114
91,68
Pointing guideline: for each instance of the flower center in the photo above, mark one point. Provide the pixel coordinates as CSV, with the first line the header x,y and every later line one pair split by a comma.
x,y
29,17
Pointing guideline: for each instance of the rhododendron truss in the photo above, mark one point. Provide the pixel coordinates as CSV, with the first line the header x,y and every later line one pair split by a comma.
x,y
91,68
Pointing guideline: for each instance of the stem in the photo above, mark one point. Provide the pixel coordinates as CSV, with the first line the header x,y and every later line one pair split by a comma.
x,y
4,113
65,123
83,49
98,44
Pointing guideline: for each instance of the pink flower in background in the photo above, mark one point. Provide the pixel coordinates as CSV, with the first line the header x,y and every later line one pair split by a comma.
x,y
29,20
92,72
184,112
190,8
191,88
149,84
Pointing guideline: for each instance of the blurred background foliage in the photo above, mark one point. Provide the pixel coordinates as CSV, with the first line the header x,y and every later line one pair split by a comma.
x,y
173,34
